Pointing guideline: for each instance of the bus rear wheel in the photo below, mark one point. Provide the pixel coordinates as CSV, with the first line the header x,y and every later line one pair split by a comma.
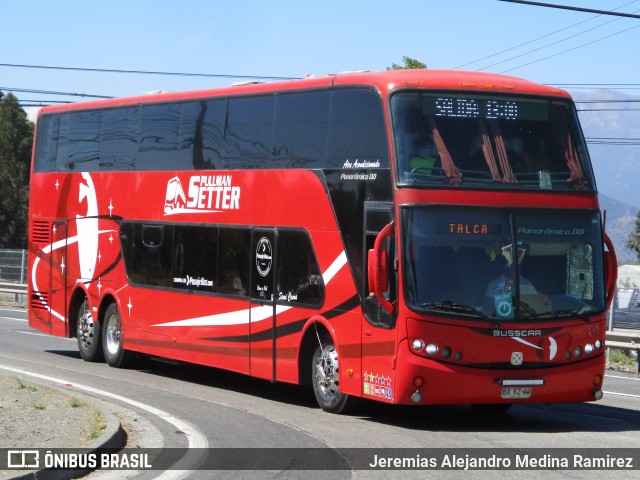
x,y
114,352
88,334
325,377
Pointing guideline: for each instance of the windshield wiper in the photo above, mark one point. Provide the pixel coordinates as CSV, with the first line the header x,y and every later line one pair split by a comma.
x,y
449,306
568,312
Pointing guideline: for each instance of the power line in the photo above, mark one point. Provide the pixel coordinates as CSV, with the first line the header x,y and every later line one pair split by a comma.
x,y
577,9
608,109
613,141
534,40
50,92
555,43
145,72
570,49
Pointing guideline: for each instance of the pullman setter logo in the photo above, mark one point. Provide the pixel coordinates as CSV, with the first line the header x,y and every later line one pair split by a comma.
x,y
206,194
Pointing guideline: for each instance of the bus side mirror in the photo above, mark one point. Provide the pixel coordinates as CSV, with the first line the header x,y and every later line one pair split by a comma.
x,y
610,270
378,268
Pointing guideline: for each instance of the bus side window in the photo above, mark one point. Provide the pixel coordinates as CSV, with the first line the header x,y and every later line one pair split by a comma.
x,y
233,261
300,130
299,278
249,132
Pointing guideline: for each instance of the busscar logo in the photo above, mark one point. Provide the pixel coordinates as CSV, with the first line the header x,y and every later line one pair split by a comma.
x,y
206,194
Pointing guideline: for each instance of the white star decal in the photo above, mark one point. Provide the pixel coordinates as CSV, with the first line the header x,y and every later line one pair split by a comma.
x,y
110,207
57,184
99,286
130,306
62,265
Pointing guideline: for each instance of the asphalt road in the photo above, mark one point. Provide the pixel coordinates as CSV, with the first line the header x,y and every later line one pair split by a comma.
x,y
221,409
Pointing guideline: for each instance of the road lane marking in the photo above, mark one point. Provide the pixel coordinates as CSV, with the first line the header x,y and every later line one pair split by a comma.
x,y
621,394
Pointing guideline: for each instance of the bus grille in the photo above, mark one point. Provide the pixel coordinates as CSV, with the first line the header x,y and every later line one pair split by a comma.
x,y
39,300
41,232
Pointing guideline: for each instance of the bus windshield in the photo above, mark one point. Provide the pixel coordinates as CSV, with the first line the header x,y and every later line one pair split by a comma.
x,y
488,141
502,266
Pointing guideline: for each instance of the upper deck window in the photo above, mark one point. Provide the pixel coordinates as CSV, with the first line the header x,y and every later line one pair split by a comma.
x,y
449,139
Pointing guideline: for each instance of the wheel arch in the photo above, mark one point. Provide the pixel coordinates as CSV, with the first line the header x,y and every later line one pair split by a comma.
x,y
78,296
315,326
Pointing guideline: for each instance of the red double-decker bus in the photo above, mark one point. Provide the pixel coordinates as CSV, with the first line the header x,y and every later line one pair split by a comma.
x,y
413,237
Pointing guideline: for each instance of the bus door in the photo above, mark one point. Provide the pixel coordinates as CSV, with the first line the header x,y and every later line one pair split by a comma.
x,y
262,322
58,279
378,332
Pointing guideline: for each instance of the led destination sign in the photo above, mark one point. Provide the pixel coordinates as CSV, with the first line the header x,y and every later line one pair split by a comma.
x,y
469,229
475,108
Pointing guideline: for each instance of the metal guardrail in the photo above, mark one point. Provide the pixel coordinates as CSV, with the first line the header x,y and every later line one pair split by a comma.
x,y
17,289
10,287
624,340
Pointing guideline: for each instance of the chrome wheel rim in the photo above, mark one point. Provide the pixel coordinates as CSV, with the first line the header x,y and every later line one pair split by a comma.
x,y
86,327
113,337
327,372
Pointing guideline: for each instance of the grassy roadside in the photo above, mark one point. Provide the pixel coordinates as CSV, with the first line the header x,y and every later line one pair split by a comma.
x,y
35,416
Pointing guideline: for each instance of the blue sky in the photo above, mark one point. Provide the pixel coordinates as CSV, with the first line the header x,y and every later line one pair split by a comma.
x,y
292,38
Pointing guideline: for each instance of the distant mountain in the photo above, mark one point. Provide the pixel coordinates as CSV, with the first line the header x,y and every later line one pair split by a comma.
x,y
616,167
620,221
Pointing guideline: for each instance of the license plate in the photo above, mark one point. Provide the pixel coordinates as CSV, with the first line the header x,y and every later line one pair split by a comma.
x,y
515,392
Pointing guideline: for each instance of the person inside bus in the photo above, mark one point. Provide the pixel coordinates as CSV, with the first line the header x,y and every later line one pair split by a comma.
x,y
424,159
500,291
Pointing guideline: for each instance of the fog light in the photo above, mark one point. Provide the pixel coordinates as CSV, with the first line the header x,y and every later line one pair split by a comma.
x,y
416,397
431,349
417,345
445,352
588,348
577,352
597,394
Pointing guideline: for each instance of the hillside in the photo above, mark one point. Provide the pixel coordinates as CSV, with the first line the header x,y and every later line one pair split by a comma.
x,y
620,221
616,167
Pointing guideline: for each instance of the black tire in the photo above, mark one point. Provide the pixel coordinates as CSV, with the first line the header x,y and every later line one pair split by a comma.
x,y
114,353
325,377
88,334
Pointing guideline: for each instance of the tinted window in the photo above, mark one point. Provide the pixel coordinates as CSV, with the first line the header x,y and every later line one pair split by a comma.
x,y
200,134
299,277
47,143
233,261
79,141
300,134
119,138
158,137
195,257
249,130
148,253
357,129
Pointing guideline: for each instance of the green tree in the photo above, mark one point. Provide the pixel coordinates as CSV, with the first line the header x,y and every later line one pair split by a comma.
x,y
409,64
633,241
16,138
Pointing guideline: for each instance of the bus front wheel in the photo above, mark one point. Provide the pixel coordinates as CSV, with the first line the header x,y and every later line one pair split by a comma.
x,y
325,376
88,334
114,352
